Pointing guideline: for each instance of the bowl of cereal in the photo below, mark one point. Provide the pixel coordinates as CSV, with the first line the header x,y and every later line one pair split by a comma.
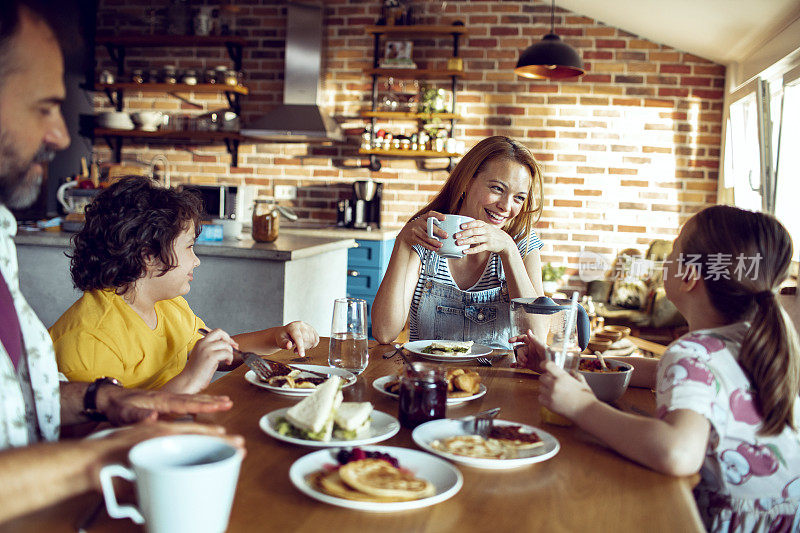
x,y
608,384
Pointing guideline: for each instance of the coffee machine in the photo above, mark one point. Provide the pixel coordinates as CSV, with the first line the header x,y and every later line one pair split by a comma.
x,y
366,204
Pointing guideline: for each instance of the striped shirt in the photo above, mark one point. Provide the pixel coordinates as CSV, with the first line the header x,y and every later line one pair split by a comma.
x,y
490,278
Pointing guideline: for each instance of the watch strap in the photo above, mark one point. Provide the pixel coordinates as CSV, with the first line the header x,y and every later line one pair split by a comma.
x,y
90,410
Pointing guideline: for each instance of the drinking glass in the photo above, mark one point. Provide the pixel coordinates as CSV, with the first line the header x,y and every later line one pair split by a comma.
x,y
348,347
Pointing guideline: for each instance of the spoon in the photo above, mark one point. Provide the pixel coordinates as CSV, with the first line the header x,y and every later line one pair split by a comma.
x,y
601,359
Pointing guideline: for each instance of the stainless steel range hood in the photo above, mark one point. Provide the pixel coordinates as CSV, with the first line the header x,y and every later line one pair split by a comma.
x,y
299,118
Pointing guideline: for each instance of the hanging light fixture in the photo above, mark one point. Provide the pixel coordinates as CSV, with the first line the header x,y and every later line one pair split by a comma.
x,y
551,58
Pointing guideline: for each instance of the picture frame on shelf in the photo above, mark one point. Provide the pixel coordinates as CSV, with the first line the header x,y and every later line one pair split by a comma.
x,y
397,54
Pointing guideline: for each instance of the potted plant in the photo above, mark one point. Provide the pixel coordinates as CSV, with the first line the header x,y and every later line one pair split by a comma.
x,y
550,276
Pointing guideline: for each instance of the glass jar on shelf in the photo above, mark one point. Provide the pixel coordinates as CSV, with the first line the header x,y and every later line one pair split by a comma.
x,y
189,77
169,74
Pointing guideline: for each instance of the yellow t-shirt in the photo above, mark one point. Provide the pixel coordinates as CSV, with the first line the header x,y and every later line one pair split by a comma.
x,y
101,335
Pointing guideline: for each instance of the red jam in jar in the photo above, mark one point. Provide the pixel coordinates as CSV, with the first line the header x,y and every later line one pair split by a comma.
x,y
423,395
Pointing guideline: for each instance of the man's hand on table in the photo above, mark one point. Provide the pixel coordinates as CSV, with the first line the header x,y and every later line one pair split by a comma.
x,y
129,406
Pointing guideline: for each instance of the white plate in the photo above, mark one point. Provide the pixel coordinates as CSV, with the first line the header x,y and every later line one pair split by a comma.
x,y
477,350
380,385
428,432
445,477
382,427
348,377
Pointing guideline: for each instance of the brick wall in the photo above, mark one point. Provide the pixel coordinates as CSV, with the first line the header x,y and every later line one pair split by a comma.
x,y
629,151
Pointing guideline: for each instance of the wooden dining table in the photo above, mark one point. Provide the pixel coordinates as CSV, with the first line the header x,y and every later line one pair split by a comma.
x,y
585,487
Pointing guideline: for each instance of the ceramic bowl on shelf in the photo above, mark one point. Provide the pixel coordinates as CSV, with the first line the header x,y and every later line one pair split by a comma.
x,y
625,330
115,120
148,120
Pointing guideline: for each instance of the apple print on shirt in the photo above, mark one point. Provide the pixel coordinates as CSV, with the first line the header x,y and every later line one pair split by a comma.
x,y
686,369
748,460
743,407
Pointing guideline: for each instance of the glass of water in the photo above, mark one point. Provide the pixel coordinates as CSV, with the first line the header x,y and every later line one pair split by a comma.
x,y
348,347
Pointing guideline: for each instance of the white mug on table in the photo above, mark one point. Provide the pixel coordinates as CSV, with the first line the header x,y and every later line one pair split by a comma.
x,y
451,225
184,483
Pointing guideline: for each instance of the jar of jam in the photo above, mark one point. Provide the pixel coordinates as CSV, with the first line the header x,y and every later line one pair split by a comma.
x,y
265,220
423,395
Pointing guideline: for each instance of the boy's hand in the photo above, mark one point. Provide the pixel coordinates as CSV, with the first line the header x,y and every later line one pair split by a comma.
x,y
298,336
208,353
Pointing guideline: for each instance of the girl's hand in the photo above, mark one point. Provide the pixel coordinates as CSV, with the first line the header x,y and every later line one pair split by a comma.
x,y
562,393
532,354
208,353
484,237
298,336
416,232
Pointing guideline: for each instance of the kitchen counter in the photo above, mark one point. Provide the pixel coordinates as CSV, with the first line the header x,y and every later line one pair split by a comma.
x,y
382,234
240,285
289,246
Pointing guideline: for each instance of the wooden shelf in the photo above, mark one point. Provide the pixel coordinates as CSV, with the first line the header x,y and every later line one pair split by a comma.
x,y
173,87
403,115
407,153
418,30
171,135
170,40
414,73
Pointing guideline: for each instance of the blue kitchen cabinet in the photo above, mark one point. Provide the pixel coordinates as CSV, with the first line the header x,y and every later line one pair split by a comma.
x,y
366,265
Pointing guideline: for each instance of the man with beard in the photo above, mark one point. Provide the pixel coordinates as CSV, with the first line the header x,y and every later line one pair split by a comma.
x,y
35,471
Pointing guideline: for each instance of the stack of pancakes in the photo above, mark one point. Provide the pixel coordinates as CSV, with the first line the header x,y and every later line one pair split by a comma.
x,y
372,480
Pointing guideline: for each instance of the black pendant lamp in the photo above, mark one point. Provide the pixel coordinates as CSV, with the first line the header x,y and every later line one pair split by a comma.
x,y
550,59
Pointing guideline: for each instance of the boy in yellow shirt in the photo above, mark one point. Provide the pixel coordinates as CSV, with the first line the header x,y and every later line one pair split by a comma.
x,y
134,260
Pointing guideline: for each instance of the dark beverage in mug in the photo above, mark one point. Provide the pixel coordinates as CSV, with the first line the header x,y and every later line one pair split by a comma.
x,y
423,395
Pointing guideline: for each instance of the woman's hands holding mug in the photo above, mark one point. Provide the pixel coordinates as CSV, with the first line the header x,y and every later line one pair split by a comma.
x,y
483,237
415,232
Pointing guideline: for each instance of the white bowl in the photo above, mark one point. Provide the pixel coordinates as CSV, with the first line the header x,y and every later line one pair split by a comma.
x,y
115,120
148,120
608,386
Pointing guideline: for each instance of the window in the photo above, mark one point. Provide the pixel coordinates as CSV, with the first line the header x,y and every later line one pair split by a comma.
x,y
787,155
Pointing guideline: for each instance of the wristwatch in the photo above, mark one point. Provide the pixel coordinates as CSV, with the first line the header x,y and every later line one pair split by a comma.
x,y
90,410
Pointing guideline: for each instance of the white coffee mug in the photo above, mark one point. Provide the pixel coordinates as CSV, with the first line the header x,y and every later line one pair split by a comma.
x,y
184,483
452,225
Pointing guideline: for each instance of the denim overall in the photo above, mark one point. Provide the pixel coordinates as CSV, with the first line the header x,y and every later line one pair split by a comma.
x,y
446,312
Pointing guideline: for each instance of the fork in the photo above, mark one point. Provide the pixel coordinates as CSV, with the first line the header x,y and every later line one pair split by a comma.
x,y
483,361
481,423
262,367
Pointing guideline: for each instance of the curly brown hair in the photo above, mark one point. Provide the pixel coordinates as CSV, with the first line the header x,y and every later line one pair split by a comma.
x,y
129,222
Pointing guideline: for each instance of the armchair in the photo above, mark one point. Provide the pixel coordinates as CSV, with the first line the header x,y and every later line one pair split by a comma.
x,y
639,302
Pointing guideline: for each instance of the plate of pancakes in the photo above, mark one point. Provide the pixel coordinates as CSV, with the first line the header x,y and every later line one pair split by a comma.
x,y
300,383
509,445
374,484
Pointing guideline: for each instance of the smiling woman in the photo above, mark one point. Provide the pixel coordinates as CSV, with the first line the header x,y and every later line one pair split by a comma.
x,y
498,184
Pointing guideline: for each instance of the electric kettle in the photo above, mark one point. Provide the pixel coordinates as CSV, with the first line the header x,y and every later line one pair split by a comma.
x,y
526,313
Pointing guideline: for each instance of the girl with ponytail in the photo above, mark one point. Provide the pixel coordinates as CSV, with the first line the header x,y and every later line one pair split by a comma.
x,y
726,392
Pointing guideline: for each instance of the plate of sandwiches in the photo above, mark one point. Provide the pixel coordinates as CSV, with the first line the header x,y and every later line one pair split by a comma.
x,y
323,419
444,350
463,385
509,445
300,383
376,478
